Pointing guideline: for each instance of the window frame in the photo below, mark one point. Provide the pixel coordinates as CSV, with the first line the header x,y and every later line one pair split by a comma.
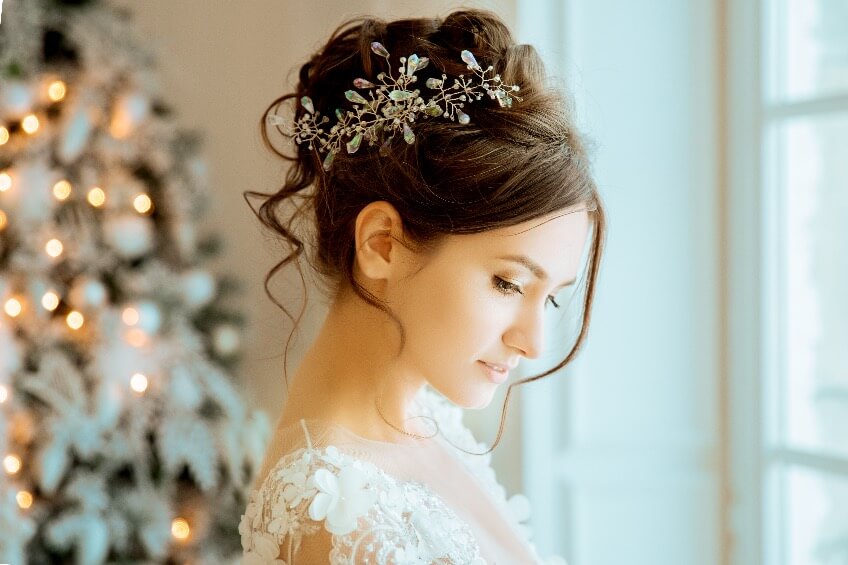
x,y
753,290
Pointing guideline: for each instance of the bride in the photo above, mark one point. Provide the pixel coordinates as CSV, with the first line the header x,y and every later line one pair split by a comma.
x,y
452,200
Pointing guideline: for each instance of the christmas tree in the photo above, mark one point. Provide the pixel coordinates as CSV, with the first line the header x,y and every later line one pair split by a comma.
x,y
122,432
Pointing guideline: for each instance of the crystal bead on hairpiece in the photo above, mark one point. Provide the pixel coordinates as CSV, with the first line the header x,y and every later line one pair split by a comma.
x,y
393,106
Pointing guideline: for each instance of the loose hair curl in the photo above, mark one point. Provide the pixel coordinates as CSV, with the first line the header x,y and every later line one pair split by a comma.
x,y
507,166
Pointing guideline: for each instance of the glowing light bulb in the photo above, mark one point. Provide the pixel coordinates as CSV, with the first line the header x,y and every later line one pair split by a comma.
x,y
5,182
57,90
142,203
61,190
138,382
4,135
24,499
30,124
50,300
4,394
96,197
13,307
180,529
74,320
3,220
130,316
136,337
54,247
12,464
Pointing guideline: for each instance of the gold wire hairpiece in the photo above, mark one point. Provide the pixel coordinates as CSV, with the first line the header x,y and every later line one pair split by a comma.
x,y
394,106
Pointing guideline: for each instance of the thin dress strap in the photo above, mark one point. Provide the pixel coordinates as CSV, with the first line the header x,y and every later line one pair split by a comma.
x,y
306,434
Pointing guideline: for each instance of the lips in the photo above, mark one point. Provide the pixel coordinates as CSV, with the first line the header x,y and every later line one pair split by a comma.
x,y
497,366
497,376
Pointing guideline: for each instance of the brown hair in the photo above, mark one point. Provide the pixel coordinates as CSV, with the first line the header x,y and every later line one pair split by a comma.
x,y
507,166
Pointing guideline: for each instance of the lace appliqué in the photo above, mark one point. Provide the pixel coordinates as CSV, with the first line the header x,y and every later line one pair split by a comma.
x,y
372,517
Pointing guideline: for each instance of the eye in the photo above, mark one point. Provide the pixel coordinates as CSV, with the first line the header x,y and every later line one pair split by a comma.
x,y
507,288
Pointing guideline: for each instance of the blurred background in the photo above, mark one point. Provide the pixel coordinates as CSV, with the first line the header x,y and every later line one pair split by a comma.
x,y
706,420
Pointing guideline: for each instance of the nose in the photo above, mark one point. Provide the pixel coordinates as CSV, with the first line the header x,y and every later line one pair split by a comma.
x,y
528,332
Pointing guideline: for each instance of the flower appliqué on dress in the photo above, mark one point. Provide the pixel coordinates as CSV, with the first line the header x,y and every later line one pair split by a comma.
x,y
341,499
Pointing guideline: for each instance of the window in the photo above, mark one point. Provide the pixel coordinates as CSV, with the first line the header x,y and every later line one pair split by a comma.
x,y
791,475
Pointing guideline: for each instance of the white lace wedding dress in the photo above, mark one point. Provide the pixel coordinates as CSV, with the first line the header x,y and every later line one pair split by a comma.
x,y
330,496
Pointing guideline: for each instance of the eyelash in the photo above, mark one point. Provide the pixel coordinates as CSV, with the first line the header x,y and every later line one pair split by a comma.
x,y
507,288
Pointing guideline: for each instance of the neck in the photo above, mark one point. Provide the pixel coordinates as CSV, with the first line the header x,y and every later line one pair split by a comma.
x,y
349,369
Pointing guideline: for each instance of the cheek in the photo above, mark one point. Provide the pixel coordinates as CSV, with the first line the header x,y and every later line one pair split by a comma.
x,y
449,328
454,315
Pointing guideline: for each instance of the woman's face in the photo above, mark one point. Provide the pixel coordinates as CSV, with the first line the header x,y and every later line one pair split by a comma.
x,y
469,304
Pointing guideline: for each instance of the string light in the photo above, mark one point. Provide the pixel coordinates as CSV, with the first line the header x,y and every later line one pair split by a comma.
x,y
30,124
61,190
57,90
5,182
4,394
74,320
138,382
24,499
142,203
12,464
130,316
136,337
4,135
13,307
96,197
54,248
50,300
180,529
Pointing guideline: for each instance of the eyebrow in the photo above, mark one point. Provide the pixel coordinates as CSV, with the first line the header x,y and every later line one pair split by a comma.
x,y
534,268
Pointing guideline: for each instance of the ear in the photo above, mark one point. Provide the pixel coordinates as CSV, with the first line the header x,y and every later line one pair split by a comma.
x,y
377,253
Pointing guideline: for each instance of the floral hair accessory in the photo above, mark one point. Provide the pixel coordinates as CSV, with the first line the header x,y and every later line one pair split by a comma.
x,y
393,105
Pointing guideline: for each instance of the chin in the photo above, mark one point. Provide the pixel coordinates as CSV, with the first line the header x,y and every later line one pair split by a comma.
x,y
471,395
470,401
482,402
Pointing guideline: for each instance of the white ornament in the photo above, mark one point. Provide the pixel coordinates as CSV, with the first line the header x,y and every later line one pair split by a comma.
x,y
130,235
16,99
198,287
225,339
88,292
149,316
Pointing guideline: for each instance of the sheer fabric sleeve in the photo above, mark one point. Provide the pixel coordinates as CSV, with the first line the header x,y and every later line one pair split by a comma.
x,y
309,497
320,506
